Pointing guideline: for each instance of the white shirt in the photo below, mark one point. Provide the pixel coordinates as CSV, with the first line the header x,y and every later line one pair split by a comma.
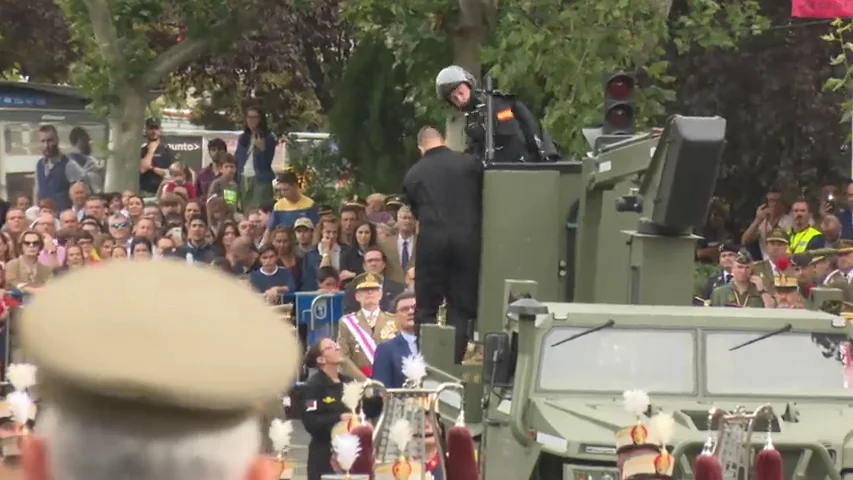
x,y
410,244
412,340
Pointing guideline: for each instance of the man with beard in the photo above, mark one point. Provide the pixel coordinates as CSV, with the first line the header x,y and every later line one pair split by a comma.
x,y
803,237
81,152
55,172
155,159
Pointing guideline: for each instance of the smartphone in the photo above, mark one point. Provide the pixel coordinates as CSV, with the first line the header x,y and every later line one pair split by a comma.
x,y
177,234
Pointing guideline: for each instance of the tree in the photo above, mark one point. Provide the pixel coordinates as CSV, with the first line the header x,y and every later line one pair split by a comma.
x,y
35,41
289,64
130,47
373,119
554,52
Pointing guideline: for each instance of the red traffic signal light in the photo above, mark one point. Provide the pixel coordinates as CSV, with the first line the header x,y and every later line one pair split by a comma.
x,y
620,87
619,104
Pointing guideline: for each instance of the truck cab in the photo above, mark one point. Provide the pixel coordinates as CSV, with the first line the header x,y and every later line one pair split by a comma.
x,y
554,382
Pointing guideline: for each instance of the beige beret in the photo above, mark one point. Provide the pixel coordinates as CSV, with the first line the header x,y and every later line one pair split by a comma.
x,y
159,334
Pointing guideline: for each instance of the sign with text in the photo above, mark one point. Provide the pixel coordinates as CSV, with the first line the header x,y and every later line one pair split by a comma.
x,y
821,8
188,149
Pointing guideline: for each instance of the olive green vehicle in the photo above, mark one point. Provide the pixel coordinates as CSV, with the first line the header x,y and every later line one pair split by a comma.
x,y
606,245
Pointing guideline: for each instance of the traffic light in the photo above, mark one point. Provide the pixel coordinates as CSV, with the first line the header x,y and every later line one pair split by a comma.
x,y
619,108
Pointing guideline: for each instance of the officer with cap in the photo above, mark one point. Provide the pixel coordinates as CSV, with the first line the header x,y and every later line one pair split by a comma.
x,y
155,159
728,252
518,135
744,290
360,332
393,203
141,390
444,193
840,277
791,283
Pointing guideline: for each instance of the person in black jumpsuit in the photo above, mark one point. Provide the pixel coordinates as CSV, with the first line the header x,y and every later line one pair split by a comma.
x,y
444,191
518,134
323,408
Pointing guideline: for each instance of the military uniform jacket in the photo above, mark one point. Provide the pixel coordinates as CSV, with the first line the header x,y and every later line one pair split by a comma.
x,y
323,410
728,296
358,341
836,279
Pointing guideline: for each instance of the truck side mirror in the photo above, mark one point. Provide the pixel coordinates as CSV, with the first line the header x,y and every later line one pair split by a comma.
x,y
497,359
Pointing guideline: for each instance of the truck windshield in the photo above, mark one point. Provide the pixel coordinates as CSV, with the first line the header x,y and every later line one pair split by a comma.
x,y
611,360
793,364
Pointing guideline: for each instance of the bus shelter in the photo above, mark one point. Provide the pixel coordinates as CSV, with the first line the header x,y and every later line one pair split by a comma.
x,y
24,107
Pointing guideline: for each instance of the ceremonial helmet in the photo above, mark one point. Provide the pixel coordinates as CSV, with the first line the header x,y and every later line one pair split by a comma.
x,y
450,77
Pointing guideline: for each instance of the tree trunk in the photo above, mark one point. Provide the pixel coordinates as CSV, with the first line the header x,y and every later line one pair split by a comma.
x,y
126,126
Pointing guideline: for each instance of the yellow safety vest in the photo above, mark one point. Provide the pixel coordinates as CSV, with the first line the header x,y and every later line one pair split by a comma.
x,y
798,242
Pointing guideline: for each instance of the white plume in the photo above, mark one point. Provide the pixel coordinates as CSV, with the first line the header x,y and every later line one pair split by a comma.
x,y
352,394
663,426
280,433
21,375
636,402
21,404
414,368
401,434
346,449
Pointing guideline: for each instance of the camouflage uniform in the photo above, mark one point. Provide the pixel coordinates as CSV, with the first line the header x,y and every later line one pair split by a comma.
x,y
729,296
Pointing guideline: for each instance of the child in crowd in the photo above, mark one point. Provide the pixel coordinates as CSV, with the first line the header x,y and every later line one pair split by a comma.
x,y
178,179
225,186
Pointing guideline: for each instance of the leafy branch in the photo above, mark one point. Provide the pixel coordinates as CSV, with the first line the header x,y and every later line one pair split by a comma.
x,y
841,63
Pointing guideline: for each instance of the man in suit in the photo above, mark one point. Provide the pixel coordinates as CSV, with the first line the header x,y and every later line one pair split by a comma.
x,y
374,262
728,252
360,332
400,249
388,364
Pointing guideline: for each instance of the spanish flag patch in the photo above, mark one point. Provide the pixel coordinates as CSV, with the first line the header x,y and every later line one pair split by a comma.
x,y
505,115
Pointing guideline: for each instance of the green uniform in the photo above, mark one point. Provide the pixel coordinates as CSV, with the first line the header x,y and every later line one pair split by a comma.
x,y
836,279
728,296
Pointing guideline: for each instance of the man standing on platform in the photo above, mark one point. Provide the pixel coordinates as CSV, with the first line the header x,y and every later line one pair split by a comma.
x,y
444,191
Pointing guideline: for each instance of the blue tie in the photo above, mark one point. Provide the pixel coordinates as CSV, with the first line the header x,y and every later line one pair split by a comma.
x,y
404,260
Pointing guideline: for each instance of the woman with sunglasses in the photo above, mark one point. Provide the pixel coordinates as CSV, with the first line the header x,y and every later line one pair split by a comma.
x,y
26,273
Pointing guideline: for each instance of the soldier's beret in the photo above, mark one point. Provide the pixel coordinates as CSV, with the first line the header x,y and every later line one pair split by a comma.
x,y
744,258
205,345
729,247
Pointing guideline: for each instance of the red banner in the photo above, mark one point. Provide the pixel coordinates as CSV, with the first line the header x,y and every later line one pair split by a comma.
x,y
821,8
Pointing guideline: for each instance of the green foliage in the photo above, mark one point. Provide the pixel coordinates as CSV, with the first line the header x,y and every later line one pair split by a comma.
x,y
577,44
701,273
416,32
35,41
144,31
289,64
840,37
319,166
373,118
554,53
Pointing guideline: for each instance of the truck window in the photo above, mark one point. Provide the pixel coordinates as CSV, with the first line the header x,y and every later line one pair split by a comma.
x,y
612,360
793,364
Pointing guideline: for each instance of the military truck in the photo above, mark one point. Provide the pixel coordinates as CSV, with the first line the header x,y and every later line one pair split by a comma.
x,y
615,236
554,398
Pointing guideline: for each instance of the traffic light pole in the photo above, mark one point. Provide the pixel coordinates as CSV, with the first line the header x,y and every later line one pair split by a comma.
x,y
490,121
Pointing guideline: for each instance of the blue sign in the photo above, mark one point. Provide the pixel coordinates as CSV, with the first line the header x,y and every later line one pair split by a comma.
x,y
320,312
23,100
